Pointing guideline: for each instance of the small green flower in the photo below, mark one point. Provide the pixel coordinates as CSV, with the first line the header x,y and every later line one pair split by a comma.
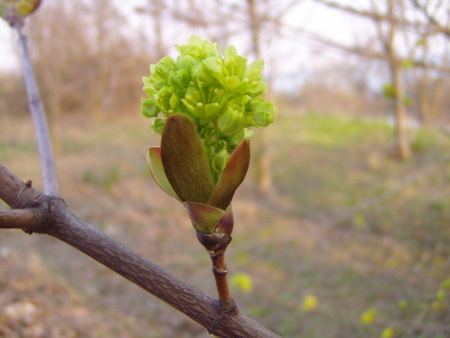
x,y
220,94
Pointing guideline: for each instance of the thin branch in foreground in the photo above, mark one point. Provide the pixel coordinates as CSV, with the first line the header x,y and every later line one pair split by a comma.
x,y
48,166
59,222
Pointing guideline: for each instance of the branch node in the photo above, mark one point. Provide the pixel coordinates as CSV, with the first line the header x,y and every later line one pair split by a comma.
x,y
27,185
34,203
42,212
228,309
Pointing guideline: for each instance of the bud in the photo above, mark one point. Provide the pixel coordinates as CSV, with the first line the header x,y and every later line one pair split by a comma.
x,y
221,94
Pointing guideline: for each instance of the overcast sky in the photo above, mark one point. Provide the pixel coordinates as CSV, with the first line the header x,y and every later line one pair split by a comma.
x,y
315,17
299,53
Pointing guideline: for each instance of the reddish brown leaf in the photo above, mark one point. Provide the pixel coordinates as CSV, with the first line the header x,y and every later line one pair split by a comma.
x,y
231,177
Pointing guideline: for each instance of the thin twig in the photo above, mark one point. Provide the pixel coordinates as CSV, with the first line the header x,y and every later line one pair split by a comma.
x,y
220,275
48,166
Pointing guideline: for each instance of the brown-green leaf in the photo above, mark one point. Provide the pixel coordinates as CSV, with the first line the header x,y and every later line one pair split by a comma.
x,y
184,160
155,166
232,176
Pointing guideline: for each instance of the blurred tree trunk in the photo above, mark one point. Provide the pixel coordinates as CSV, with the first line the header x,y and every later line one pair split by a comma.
x,y
395,68
157,11
429,85
401,136
430,94
260,154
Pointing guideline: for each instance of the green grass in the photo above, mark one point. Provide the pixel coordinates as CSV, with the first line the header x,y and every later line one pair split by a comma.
x,y
329,131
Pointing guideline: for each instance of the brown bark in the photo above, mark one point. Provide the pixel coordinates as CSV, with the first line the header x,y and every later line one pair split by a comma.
x,y
57,221
401,136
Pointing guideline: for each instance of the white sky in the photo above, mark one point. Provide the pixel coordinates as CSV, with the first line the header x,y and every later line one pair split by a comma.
x,y
316,18
299,54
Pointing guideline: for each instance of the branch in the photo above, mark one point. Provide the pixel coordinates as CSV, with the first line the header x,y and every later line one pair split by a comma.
x,y
49,174
431,19
20,218
434,26
370,54
57,221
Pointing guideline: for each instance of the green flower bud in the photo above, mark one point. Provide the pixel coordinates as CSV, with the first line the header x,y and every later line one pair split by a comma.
x,y
232,82
186,62
197,48
220,93
211,109
201,74
158,125
180,79
167,100
163,68
230,121
149,108
220,158
262,112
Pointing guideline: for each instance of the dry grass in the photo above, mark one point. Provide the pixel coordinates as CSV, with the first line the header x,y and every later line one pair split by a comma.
x,y
48,289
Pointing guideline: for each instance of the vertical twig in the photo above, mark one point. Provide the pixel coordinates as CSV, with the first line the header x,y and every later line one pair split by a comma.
x,y
220,274
48,166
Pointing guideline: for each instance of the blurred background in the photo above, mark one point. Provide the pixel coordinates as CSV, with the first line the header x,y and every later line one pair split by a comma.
x,y
342,227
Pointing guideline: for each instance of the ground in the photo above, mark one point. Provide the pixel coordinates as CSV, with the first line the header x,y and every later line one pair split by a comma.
x,y
350,243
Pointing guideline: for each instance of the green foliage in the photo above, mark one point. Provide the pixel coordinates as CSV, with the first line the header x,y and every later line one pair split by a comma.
x,y
424,141
407,101
221,94
407,64
445,284
389,91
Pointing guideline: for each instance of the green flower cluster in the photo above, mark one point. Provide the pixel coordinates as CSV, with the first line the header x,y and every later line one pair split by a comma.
x,y
220,94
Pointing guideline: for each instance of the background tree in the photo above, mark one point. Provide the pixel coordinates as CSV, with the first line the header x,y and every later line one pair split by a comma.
x,y
394,30
91,43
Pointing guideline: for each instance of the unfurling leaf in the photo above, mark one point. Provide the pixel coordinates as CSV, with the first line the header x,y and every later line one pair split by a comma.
x,y
184,160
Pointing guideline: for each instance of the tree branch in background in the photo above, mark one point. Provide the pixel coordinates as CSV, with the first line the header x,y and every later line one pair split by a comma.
x,y
432,26
434,23
49,215
365,52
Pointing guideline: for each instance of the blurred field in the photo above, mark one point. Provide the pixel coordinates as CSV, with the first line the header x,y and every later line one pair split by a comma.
x,y
350,243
